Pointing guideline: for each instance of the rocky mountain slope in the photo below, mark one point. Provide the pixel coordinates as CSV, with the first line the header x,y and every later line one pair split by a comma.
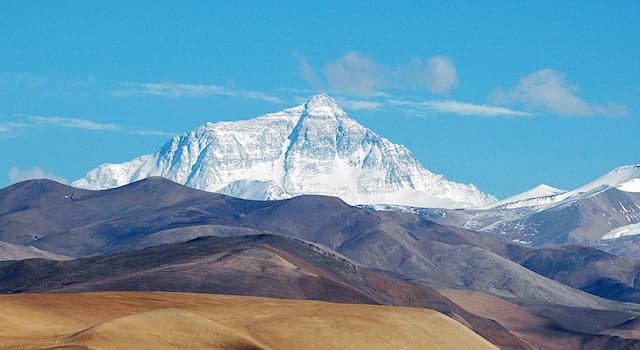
x,y
598,213
315,148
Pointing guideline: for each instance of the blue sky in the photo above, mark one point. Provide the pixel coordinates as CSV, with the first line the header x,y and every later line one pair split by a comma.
x,y
503,95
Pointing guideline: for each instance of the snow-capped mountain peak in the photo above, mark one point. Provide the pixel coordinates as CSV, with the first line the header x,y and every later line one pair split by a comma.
x,y
315,148
625,178
323,105
541,194
617,177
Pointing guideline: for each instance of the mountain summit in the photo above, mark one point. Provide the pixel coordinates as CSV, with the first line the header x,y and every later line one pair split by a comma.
x,y
315,148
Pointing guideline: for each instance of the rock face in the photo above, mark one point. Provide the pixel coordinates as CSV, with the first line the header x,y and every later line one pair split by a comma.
x,y
315,148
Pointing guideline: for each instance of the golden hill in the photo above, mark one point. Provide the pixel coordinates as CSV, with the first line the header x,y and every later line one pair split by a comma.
x,y
155,320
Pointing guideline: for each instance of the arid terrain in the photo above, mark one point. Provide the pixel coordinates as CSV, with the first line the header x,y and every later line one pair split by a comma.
x,y
154,320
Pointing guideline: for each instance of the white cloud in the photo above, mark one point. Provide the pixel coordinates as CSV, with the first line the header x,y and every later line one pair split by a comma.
x,y
457,107
168,89
16,122
360,104
358,74
549,90
154,133
355,73
438,75
72,123
36,121
17,175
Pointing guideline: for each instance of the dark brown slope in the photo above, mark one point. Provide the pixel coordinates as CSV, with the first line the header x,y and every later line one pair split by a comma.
x,y
586,268
123,218
257,265
94,222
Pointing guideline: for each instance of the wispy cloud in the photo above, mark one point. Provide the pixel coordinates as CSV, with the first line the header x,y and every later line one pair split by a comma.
x,y
74,123
307,71
549,90
360,104
422,107
457,107
154,133
168,89
15,122
12,124
17,175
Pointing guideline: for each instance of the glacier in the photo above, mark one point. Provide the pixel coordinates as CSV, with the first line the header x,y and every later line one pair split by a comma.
x,y
315,148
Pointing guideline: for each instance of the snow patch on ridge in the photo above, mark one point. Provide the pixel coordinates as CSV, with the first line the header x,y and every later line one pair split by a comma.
x,y
539,195
632,185
628,230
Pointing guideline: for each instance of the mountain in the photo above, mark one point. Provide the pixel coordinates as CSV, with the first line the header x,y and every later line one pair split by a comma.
x,y
315,148
539,195
624,178
586,268
156,211
604,213
254,265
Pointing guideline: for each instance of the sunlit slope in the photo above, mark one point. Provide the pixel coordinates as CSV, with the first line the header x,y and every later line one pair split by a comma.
x,y
128,320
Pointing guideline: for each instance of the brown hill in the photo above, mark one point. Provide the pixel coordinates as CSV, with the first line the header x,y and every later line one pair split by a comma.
x,y
257,265
174,320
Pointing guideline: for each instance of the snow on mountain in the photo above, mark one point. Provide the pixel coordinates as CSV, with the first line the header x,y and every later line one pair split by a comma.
x,y
632,185
627,230
539,195
315,148
624,178
615,178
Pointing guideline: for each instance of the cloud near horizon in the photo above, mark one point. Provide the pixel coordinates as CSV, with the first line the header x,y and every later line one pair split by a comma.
x,y
549,90
75,123
457,107
17,175
18,122
169,89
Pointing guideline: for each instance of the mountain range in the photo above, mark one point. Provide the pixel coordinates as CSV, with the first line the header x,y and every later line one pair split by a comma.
x,y
317,148
152,235
604,213
308,204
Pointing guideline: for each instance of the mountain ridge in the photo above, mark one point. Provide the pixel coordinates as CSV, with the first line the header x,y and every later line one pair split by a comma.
x,y
315,148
